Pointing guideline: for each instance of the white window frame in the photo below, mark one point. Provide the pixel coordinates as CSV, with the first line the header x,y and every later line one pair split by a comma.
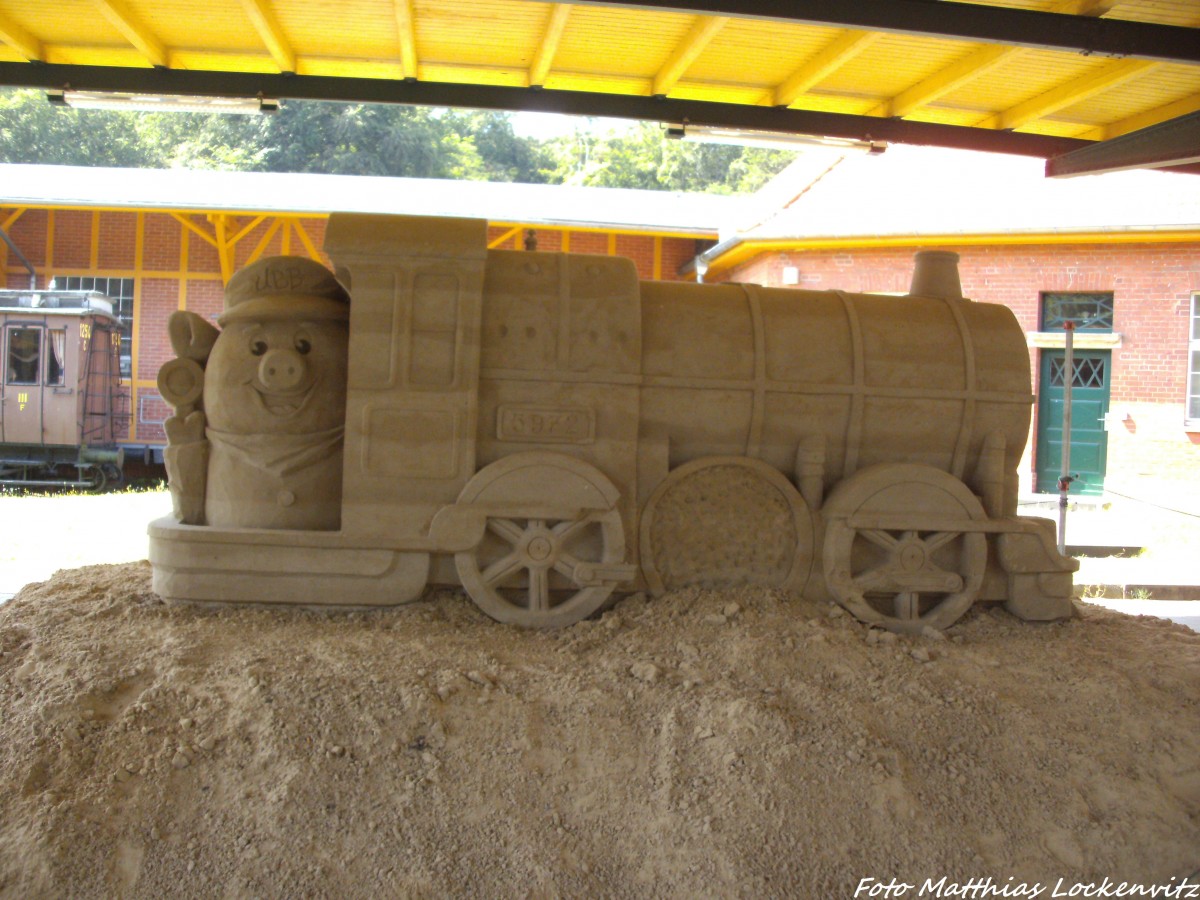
x,y
1191,400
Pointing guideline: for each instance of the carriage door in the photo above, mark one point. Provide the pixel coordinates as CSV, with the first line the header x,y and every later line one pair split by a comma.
x,y
22,404
1090,387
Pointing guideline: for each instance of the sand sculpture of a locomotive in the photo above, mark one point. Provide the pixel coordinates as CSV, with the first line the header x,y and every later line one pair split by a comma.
x,y
547,431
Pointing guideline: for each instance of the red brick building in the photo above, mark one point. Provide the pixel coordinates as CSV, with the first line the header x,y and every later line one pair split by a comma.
x,y
1120,253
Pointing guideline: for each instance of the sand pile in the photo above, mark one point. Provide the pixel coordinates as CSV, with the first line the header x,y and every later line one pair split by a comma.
x,y
705,744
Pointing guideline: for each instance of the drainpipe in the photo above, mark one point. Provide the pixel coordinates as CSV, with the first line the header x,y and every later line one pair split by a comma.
x,y
21,256
1065,479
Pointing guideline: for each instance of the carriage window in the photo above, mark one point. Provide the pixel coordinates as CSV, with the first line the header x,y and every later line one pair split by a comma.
x,y
56,357
120,291
24,354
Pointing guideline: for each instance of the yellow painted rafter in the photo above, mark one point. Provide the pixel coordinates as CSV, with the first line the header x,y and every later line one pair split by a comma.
x,y
192,226
261,246
700,36
1107,77
21,40
975,65
263,18
1144,120
840,51
309,247
406,26
13,216
544,59
507,236
134,31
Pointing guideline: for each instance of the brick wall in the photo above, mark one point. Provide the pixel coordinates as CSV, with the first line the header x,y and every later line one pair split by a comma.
x,y
1151,285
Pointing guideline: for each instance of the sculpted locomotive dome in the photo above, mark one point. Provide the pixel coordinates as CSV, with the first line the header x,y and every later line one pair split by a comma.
x,y
279,366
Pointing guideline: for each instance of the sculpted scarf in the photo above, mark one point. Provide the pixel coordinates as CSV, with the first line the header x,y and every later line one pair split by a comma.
x,y
277,454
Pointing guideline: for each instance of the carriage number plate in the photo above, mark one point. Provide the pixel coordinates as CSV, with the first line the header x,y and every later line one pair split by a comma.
x,y
546,424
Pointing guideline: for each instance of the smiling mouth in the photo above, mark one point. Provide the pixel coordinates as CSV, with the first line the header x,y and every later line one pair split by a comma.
x,y
281,405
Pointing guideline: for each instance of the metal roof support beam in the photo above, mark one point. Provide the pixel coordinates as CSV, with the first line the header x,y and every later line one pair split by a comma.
x,y
693,44
544,59
1173,143
839,51
134,31
958,21
264,21
52,76
1111,75
20,40
406,26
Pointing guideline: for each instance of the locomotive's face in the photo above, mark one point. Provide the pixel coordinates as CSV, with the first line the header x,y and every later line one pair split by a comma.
x,y
277,377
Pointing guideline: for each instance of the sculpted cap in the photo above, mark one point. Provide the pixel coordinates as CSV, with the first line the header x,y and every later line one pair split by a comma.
x,y
284,287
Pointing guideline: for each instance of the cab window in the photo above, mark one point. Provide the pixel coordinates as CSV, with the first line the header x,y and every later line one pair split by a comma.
x,y
24,355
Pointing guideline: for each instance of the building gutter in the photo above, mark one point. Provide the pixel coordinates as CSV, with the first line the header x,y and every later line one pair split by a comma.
x,y
731,252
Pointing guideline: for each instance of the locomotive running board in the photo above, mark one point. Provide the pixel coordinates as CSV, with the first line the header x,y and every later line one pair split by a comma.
x,y
198,564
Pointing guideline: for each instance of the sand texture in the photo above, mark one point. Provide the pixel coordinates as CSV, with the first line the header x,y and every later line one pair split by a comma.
x,y
728,744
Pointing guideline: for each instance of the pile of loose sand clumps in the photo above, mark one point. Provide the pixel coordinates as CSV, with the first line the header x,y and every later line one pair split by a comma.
x,y
703,744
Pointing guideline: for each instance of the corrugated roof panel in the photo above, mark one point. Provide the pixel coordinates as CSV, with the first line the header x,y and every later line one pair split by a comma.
x,y
259,61
1165,12
1157,87
366,29
776,53
619,42
1021,77
906,60
67,22
614,84
483,33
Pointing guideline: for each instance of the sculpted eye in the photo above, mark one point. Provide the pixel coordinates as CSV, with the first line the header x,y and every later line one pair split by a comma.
x,y
303,345
258,348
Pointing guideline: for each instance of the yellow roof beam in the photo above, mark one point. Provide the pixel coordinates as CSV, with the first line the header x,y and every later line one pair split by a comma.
x,y
134,31
840,51
544,58
975,65
20,40
701,34
1105,78
406,25
264,21
1144,120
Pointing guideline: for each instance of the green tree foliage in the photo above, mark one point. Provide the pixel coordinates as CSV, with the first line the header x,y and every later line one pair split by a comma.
x,y
361,139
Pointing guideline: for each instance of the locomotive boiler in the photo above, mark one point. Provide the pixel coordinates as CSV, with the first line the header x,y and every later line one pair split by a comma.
x,y
547,431
62,403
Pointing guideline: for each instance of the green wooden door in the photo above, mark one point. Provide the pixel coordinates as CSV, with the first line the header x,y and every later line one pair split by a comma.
x,y
1089,402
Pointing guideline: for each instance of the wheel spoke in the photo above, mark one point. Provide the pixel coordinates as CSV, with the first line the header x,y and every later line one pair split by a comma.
x,y
506,529
879,538
908,605
565,564
873,579
564,531
539,589
939,539
501,569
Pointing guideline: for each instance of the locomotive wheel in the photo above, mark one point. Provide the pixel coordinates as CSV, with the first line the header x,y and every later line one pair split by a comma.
x,y
528,571
910,578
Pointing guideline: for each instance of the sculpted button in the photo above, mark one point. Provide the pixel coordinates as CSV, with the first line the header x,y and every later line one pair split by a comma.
x,y
286,498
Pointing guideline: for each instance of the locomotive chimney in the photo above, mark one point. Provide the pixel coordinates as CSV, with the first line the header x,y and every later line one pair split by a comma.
x,y
935,274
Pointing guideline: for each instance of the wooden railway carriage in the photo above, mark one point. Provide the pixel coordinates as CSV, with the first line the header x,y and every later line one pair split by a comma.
x,y
545,429
62,404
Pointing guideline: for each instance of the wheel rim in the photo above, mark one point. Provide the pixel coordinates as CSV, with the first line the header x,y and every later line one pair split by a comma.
x,y
905,580
524,570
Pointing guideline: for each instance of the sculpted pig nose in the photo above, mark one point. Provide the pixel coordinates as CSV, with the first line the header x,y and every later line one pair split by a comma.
x,y
281,369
